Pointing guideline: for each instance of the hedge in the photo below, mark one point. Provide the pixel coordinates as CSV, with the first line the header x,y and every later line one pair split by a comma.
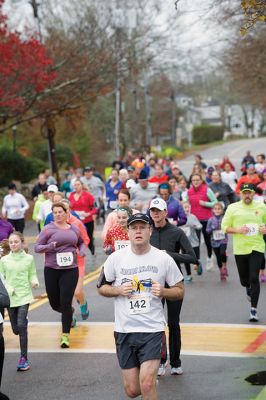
x,y
15,166
207,133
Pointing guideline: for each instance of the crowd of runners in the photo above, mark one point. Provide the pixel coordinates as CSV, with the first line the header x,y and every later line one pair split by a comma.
x,y
154,221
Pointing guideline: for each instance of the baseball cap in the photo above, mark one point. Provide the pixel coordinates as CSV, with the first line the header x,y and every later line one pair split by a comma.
x,y
52,188
158,203
139,217
130,183
143,175
88,168
247,186
130,168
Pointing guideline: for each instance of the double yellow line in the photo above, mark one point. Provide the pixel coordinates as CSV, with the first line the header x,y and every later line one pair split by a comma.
x,y
42,299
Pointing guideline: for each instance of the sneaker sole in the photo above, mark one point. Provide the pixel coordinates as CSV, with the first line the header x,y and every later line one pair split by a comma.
x,y
64,346
23,369
253,320
85,316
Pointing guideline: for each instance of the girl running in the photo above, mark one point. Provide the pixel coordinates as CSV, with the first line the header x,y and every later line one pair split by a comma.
x,y
19,271
219,239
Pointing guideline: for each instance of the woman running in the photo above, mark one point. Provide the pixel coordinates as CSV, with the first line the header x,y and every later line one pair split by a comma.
x,y
60,241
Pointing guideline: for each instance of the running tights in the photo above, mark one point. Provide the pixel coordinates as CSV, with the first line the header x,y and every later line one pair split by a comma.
x,y
19,322
2,352
220,253
248,266
207,237
60,287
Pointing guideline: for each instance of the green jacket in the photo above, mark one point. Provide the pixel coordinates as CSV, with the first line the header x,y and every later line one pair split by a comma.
x,y
19,272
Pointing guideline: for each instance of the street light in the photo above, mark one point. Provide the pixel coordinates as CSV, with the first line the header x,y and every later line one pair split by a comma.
x,y
14,130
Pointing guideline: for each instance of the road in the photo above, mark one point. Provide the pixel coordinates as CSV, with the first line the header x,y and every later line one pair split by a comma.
x,y
220,347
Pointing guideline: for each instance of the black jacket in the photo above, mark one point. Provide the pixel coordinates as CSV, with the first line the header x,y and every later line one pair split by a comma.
x,y
173,239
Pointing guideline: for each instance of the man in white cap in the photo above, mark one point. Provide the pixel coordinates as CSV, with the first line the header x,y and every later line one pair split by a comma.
x,y
46,207
168,237
135,276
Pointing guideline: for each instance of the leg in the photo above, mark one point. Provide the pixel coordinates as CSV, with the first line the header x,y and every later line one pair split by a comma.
x,y
131,382
217,253
23,329
79,292
207,238
13,316
20,225
243,269
67,285
164,346
90,228
173,312
51,278
2,352
254,265
147,379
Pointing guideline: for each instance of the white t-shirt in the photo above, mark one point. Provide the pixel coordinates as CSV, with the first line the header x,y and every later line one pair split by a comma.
x,y
229,178
141,312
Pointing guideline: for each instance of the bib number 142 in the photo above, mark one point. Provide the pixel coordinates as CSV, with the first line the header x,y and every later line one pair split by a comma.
x,y
138,304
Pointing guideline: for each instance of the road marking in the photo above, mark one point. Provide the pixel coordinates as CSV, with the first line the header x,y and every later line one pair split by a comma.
x,y
262,394
212,340
252,347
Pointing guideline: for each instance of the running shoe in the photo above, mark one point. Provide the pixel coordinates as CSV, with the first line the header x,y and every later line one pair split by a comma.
x,y
23,364
176,371
84,311
161,370
223,274
248,291
253,316
188,279
226,271
64,341
198,268
263,278
209,264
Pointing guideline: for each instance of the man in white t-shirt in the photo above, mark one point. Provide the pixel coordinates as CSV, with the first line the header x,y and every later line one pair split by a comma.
x,y
135,276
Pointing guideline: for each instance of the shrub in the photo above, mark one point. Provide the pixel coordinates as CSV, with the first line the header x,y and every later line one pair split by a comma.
x,y
207,133
17,167
169,151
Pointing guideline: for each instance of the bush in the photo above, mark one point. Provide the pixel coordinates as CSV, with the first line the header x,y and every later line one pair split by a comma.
x,y
17,167
169,151
207,133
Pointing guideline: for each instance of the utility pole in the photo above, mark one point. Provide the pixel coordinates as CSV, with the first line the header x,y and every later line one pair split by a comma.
x,y
148,136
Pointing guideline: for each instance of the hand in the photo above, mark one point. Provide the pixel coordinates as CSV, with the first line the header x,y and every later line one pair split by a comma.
x,y
53,244
217,194
35,285
243,229
262,229
202,203
156,289
125,289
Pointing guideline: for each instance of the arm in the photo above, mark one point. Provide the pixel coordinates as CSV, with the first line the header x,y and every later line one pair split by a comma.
x,y
33,279
209,226
211,197
181,216
25,204
227,224
41,245
187,256
175,292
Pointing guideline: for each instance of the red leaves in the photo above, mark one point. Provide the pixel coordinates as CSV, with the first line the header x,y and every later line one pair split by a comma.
x,y
24,69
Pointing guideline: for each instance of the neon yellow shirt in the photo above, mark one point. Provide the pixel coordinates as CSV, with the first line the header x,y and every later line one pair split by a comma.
x,y
253,215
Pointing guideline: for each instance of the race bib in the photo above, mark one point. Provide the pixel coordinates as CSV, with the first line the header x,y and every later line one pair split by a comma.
x,y
218,234
253,229
113,204
186,230
80,214
64,259
121,244
138,304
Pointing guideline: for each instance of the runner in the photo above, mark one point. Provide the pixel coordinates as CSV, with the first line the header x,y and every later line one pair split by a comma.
x,y
173,240
2,351
136,276
117,236
19,272
14,207
246,221
60,241
219,239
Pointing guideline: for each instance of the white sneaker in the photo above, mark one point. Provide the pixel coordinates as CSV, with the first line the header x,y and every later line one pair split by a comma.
x,y
253,316
176,371
161,370
209,265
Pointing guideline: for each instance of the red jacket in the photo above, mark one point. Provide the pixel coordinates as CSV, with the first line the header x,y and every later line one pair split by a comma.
x,y
84,203
201,212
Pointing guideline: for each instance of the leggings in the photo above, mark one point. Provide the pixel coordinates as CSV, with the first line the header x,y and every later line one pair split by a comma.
x,y
207,237
173,314
19,322
2,352
220,253
197,252
248,266
60,287
18,224
90,228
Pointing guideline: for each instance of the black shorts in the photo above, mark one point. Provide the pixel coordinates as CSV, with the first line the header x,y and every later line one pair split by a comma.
x,y
134,348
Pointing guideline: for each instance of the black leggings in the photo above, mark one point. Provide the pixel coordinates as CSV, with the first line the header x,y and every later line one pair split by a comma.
x,y
90,228
248,266
18,224
173,314
2,352
197,252
60,287
220,253
207,237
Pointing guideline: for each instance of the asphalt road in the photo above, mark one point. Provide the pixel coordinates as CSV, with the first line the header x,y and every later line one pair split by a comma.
x,y
208,375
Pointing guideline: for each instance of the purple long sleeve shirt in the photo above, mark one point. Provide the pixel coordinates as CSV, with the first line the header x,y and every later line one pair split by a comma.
x,y
67,241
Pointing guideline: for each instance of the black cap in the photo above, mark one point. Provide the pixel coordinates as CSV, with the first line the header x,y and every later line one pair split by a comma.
x,y
143,175
139,217
12,186
248,187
